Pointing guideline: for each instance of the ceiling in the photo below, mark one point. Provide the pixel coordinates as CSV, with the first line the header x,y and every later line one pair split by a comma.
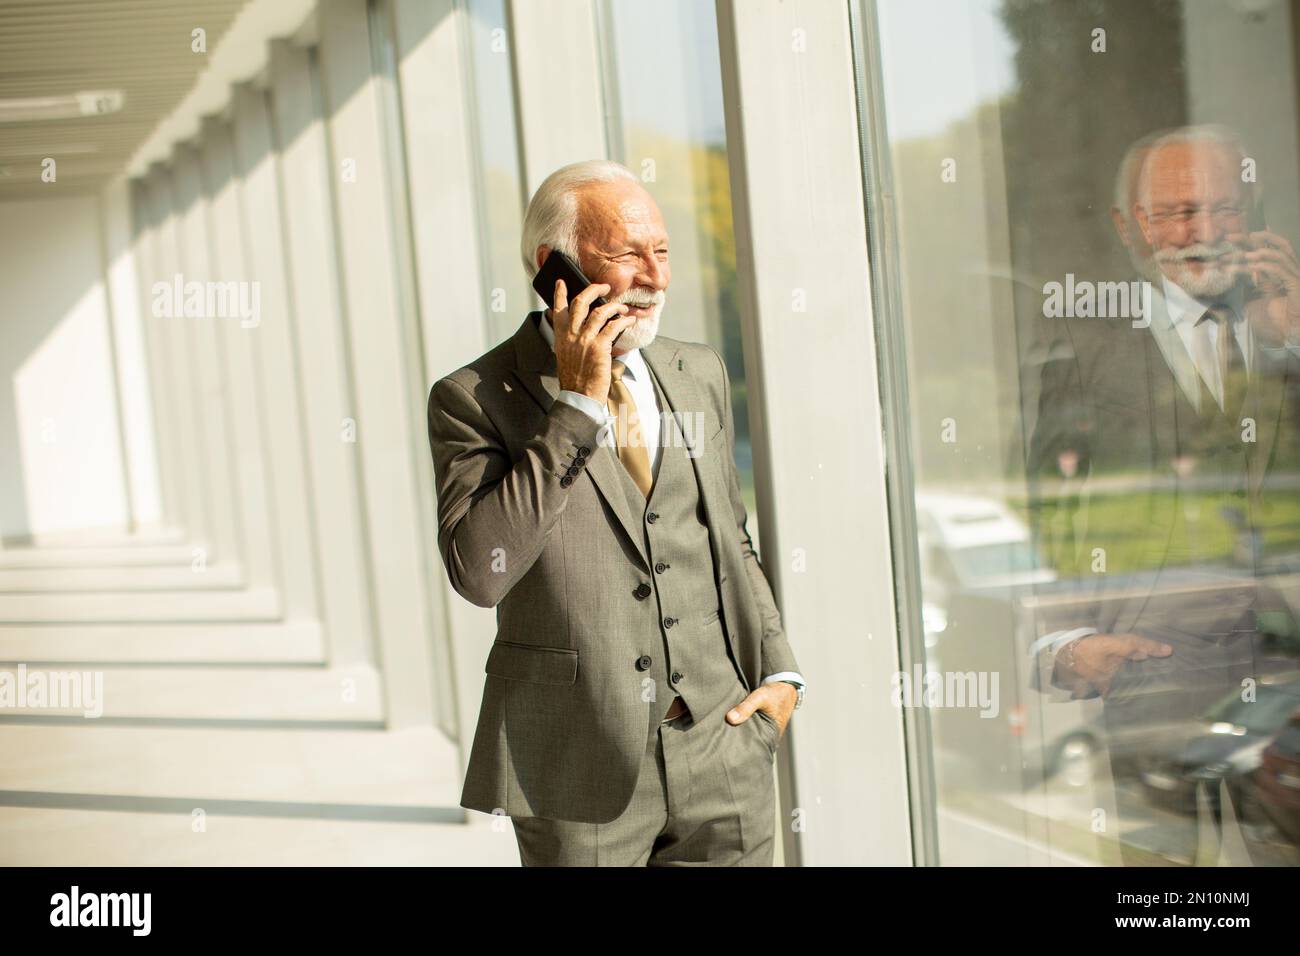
x,y
62,47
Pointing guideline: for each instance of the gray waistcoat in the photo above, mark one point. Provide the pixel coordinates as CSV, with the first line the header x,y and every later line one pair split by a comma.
x,y
695,649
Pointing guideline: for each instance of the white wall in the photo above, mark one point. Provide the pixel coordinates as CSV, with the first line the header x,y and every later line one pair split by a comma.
x,y
60,448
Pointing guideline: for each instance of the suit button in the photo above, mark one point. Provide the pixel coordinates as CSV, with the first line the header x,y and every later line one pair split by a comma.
x,y
574,470
566,481
677,677
669,621
642,591
643,662
584,451
579,461
661,567
651,517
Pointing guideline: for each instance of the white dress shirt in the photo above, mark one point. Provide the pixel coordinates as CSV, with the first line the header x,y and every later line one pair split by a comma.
x,y
1200,339
1190,349
637,378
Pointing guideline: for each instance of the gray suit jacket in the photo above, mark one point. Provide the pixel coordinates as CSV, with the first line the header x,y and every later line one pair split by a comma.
x,y
553,544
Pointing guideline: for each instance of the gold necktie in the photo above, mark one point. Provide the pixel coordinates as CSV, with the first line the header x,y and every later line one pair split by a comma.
x,y
1232,364
631,446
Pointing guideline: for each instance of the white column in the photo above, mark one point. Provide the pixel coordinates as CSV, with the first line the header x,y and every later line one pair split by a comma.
x,y
216,433
805,293
321,351
129,373
445,230
178,348
263,232
380,334
239,339
159,408
558,84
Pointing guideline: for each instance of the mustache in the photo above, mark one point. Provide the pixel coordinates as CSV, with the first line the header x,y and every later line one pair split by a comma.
x,y
1200,250
641,297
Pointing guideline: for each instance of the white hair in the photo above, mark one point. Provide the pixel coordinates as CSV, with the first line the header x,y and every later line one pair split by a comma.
x,y
1126,178
552,216
1222,136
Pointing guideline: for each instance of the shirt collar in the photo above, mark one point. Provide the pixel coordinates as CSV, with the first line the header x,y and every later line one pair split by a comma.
x,y
1182,306
633,360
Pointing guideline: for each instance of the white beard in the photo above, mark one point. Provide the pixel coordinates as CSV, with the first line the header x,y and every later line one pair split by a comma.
x,y
1212,281
643,332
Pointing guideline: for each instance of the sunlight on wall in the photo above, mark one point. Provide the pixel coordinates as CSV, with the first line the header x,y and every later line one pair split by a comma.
x,y
72,469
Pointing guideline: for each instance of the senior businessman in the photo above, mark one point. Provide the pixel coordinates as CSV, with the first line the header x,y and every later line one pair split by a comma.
x,y
640,680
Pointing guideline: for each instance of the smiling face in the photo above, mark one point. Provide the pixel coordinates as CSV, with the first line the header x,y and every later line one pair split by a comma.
x,y
622,241
1192,200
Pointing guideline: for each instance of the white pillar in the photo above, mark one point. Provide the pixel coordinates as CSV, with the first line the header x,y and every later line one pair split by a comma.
x,y
558,84
158,408
215,426
321,351
446,240
382,335
264,235
177,347
247,449
805,294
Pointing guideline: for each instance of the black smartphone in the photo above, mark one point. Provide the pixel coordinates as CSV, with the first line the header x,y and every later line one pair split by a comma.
x,y
1255,222
560,266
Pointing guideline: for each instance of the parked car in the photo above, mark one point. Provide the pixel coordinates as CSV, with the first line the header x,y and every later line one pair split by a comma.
x,y
973,543
1227,743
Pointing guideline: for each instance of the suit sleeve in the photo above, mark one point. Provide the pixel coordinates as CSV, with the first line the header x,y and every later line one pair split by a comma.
x,y
1062,424
494,514
776,654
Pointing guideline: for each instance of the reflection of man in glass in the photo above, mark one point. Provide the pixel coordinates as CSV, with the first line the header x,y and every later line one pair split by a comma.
x,y
1190,431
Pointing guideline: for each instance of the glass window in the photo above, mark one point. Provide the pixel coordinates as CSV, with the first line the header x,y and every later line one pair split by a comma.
x,y
500,191
1083,219
671,132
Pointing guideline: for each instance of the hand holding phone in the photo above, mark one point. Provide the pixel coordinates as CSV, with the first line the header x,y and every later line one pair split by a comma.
x,y
586,328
